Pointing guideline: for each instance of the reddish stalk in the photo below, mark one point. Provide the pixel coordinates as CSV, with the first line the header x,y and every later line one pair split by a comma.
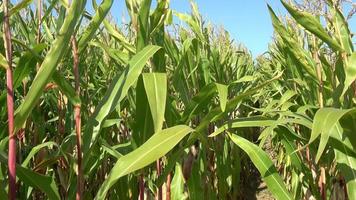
x,y
322,182
39,16
322,179
77,117
159,169
168,187
61,115
10,104
343,183
142,187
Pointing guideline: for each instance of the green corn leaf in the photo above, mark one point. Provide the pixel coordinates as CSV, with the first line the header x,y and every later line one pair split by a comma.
x,y
3,192
117,55
342,30
265,166
36,180
36,149
192,23
119,36
288,143
324,121
156,91
44,183
310,23
277,24
143,20
49,10
177,186
157,146
293,48
254,121
111,122
245,79
21,5
204,63
66,88
94,24
286,97
223,92
159,17
53,57
345,158
204,98
111,150
27,63
144,125
116,93
65,3
3,62
216,113
350,72
198,102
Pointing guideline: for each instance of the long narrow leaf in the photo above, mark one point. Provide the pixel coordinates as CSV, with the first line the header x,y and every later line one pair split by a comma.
x,y
156,90
53,57
265,166
115,93
157,146
309,22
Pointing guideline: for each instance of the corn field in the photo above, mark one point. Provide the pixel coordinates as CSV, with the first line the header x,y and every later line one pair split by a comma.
x,y
168,106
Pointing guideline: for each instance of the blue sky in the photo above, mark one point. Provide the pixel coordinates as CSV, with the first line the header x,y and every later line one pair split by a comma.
x,y
247,21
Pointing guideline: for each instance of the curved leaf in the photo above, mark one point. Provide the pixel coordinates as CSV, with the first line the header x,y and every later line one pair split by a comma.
x,y
350,71
342,30
3,62
346,161
116,92
19,6
254,121
177,186
157,146
49,64
44,183
265,166
310,23
94,24
324,121
36,149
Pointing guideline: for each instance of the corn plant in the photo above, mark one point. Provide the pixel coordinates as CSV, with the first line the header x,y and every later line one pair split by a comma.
x,y
151,109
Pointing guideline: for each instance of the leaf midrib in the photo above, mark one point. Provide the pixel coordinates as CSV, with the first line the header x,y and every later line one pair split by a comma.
x,y
265,166
149,151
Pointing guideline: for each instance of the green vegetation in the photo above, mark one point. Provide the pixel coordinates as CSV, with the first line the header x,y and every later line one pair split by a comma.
x,y
156,110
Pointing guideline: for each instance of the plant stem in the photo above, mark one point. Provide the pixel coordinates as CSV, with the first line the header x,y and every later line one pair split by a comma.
x,y
322,178
10,104
322,182
77,117
168,186
142,187
159,168
39,20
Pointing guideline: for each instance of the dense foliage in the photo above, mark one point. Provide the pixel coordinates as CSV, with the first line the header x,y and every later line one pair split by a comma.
x,y
152,109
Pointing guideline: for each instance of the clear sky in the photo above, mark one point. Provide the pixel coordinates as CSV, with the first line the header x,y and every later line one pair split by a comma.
x,y
247,21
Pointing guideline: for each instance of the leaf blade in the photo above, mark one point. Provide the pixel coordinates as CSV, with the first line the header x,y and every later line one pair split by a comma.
x,y
149,152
